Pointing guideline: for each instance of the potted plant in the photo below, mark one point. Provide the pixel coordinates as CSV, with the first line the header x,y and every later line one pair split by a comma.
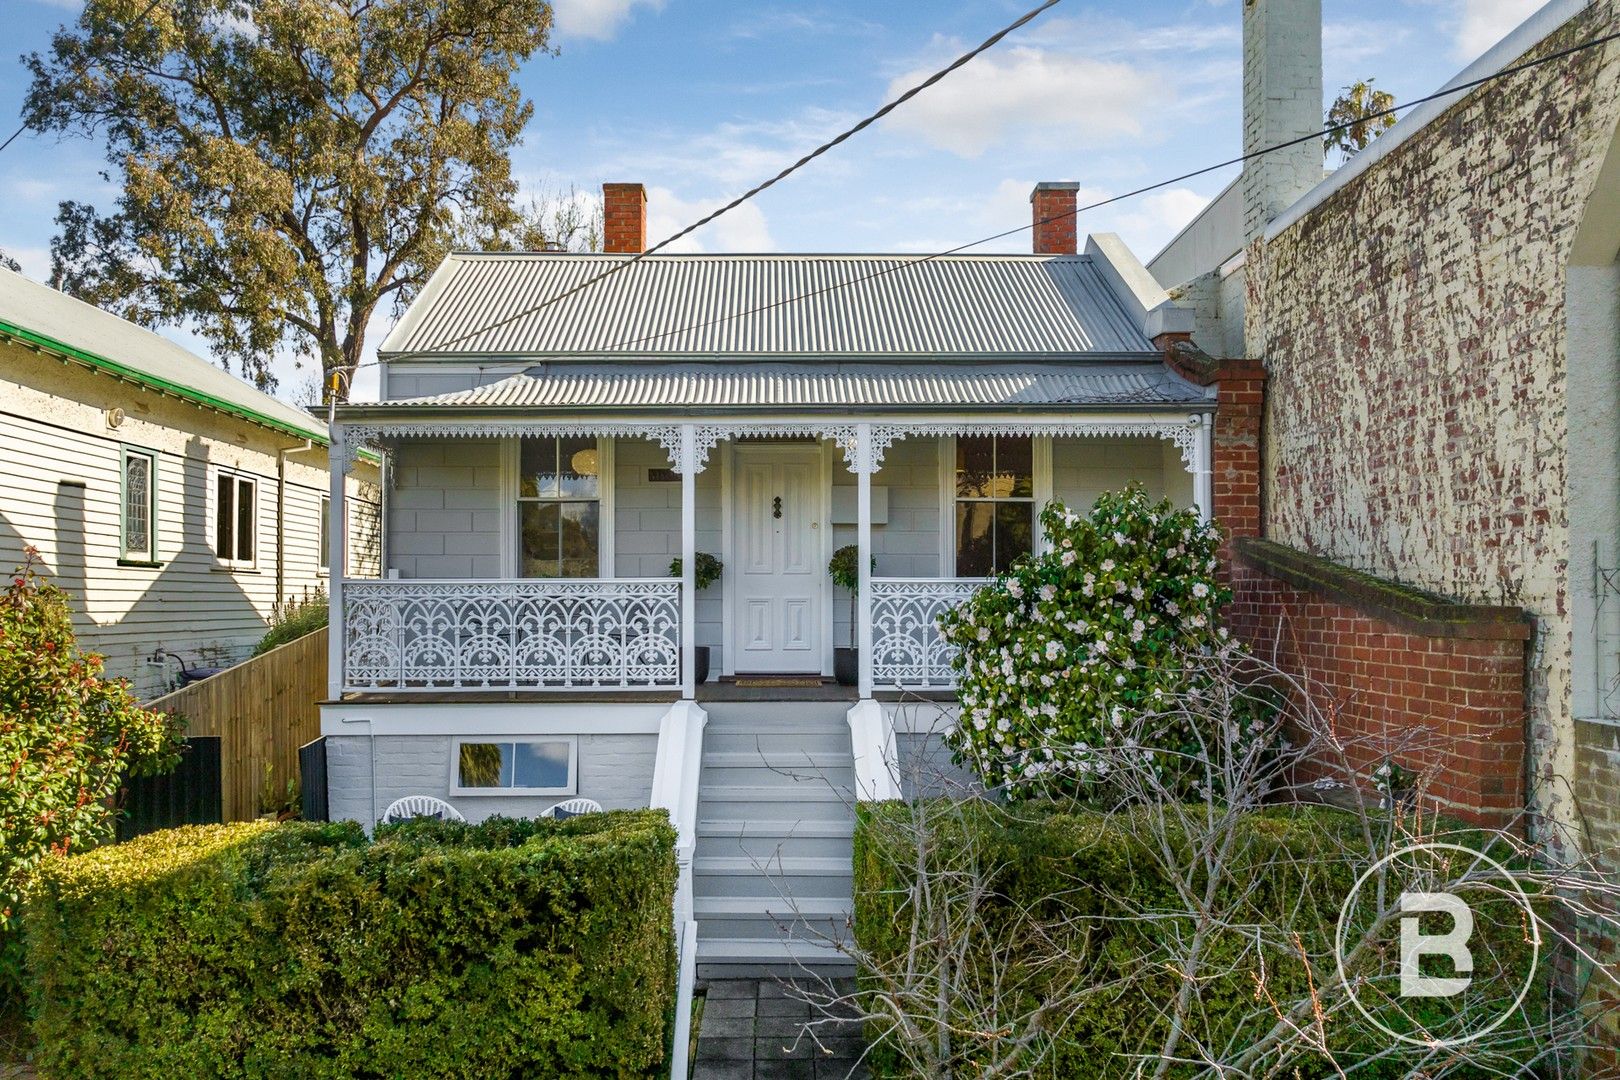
x,y
706,573
845,572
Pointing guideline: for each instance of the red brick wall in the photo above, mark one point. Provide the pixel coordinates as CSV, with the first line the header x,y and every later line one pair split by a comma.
x,y
1055,237
1379,676
1236,460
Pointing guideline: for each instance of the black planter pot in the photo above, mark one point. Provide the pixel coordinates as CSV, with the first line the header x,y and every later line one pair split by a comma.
x,y
700,664
847,666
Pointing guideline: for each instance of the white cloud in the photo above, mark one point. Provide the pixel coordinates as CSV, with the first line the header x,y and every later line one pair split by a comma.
x,y
596,19
1029,92
1482,23
35,261
742,229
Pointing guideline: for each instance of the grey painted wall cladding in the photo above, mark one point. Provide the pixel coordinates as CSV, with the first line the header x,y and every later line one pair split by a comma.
x,y
444,510
647,526
615,770
1083,469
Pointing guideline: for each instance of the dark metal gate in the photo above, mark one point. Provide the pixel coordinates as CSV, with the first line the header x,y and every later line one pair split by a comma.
x,y
312,779
190,795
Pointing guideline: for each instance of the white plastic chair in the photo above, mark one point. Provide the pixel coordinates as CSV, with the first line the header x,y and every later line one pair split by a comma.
x,y
571,807
415,806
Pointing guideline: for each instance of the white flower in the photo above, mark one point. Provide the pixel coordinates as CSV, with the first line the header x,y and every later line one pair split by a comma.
x,y
1067,559
1119,587
1107,565
1172,608
1048,591
984,633
1053,650
1015,587
1119,680
1120,538
1200,590
1137,593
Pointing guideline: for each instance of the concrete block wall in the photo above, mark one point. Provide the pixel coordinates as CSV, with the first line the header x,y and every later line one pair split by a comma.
x,y
444,510
615,770
647,528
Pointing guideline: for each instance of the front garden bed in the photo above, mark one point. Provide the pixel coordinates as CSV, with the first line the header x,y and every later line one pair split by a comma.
x,y
510,948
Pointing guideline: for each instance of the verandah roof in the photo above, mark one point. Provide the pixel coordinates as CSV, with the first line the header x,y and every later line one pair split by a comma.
x,y
842,386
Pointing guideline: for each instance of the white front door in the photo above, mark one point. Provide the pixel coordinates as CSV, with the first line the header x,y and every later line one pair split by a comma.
x,y
778,584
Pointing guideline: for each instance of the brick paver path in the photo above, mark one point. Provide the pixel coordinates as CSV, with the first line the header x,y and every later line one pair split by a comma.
x,y
753,1030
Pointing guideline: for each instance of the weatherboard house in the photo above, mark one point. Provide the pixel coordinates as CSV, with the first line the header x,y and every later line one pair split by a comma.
x,y
550,459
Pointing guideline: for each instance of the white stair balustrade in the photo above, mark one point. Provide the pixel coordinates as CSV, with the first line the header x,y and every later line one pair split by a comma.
x,y
526,634
908,650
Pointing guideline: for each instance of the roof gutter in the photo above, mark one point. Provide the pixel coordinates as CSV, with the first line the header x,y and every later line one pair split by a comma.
x,y
29,338
452,414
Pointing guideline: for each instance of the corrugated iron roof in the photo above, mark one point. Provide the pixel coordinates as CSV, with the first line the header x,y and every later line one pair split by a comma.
x,y
809,305
54,320
773,386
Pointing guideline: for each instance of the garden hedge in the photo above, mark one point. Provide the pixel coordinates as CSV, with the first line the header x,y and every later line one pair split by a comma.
x,y
1086,877
510,948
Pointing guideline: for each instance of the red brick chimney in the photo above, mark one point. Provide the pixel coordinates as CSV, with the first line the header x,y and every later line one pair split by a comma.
x,y
624,218
1054,199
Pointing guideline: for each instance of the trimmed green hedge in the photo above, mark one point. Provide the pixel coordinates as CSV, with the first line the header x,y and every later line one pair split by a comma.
x,y
1086,878
509,948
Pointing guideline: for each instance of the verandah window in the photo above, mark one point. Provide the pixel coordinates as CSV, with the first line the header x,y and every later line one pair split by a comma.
x,y
559,496
995,502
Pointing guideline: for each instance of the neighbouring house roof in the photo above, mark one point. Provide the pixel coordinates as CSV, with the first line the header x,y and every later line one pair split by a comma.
x,y
869,306
40,317
839,386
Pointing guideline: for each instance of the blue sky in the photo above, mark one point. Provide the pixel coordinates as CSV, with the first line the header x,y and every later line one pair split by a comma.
x,y
699,99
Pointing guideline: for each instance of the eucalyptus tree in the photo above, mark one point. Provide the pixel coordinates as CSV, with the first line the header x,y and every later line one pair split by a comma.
x,y
285,168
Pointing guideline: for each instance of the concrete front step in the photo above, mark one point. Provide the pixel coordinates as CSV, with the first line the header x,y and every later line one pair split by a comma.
x,y
769,951
784,909
796,759
777,829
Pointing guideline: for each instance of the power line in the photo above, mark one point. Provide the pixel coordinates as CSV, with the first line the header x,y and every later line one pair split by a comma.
x,y
1240,159
985,45
14,135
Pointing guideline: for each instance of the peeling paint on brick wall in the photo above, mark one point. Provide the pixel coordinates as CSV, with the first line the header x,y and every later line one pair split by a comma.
x,y
1414,329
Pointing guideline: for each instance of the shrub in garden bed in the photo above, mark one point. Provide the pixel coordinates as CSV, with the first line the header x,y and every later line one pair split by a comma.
x,y
1049,905
509,948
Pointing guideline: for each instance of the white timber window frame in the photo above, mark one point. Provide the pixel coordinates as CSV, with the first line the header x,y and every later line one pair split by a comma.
x,y
1041,479
511,465
135,504
509,765
230,525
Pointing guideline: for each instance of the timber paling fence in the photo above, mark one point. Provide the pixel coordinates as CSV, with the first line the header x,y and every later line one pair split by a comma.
x,y
261,711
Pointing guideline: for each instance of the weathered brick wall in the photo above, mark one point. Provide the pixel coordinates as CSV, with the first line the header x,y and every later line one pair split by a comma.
x,y
1447,685
1414,329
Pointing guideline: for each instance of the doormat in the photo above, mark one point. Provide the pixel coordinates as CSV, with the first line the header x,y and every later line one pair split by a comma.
x,y
778,682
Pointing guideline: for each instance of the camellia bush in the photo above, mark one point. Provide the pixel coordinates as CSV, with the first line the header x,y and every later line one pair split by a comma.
x,y
67,738
1058,653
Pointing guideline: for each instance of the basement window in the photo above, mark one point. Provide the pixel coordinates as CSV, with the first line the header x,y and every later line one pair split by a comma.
x,y
515,767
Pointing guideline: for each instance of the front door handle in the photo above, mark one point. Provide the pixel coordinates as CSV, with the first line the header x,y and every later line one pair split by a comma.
x,y
776,507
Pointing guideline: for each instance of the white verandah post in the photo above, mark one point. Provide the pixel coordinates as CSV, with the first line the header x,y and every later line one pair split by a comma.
x,y
863,555
337,472
1203,460
688,456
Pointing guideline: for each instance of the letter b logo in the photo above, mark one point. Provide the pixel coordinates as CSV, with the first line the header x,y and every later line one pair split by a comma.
x,y
1454,943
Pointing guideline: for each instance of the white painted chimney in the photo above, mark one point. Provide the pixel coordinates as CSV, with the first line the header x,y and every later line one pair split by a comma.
x,y
1282,100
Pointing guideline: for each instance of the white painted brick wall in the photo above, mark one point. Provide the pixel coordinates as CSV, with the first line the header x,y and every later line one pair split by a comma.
x,y
1282,100
615,770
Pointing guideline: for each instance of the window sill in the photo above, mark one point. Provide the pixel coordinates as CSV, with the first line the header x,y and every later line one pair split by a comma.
x,y
227,569
508,793
144,564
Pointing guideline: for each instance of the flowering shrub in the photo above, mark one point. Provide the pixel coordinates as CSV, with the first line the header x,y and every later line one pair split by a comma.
x,y
1056,656
67,736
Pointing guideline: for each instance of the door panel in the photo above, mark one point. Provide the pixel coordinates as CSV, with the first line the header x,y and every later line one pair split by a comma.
x,y
778,540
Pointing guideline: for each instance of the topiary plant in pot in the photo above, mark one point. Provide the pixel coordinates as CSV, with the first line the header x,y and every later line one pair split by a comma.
x,y
844,569
705,573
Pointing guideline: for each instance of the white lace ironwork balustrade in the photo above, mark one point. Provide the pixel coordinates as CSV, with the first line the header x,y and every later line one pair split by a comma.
x,y
908,650
531,634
